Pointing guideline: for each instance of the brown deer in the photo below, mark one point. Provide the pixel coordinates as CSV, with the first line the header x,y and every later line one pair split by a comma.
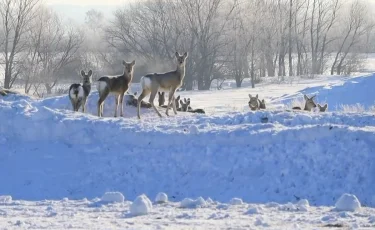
x,y
185,107
131,99
323,108
78,93
309,103
262,104
253,102
171,81
117,85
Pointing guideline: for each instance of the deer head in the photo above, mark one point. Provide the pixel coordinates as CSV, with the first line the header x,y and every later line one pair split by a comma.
x,y
309,102
253,102
86,78
181,59
128,67
323,108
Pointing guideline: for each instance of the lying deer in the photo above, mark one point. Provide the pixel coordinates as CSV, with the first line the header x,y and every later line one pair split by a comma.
x,y
185,107
117,85
323,108
255,103
309,103
151,83
161,100
131,100
78,93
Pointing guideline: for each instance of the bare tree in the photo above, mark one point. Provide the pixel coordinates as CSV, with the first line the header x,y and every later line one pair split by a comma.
x,y
52,46
15,18
356,25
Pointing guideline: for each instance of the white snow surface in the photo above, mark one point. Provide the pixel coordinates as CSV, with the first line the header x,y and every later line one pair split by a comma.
x,y
348,202
49,153
82,214
141,206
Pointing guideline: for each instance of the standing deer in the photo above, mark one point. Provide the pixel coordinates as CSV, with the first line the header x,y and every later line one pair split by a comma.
x,y
309,103
117,85
78,93
151,83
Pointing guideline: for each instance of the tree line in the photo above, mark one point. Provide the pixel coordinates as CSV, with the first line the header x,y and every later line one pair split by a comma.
x,y
226,39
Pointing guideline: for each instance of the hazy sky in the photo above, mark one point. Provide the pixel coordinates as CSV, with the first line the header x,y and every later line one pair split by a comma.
x,y
87,2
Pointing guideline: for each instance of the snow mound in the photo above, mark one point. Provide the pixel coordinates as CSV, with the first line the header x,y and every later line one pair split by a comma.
x,y
161,198
236,201
190,203
348,202
112,197
253,210
141,206
5,199
302,205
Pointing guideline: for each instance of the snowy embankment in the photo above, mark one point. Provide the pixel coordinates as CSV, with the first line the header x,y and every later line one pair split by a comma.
x,y
357,90
51,153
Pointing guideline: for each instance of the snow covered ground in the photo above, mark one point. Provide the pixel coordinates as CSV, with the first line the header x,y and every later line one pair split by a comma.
x,y
88,214
49,153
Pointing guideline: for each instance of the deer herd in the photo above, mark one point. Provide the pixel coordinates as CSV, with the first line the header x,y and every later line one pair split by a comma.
x,y
155,84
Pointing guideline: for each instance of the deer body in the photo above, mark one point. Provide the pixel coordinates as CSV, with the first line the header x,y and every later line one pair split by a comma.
x,y
117,85
309,103
169,81
78,93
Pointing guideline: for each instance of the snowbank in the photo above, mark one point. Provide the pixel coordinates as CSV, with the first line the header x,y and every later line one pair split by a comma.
x,y
65,154
355,90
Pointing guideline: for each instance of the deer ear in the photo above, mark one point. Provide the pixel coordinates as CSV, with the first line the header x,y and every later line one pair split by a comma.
x,y
178,98
185,100
159,93
313,97
256,96
177,54
250,96
319,106
90,72
133,63
162,93
181,102
186,54
263,101
325,106
83,73
135,93
306,97
123,62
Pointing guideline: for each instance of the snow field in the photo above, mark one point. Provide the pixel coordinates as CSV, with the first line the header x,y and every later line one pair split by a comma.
x,y
141,214
280,166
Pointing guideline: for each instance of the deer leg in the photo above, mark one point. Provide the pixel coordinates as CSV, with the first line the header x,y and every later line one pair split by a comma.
x,y
102,96
170,97
117,97
139,102
83,106
174,105
152,98
121,105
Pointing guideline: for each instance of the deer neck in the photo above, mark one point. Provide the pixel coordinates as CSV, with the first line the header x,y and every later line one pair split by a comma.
x,y
181,71
127,76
